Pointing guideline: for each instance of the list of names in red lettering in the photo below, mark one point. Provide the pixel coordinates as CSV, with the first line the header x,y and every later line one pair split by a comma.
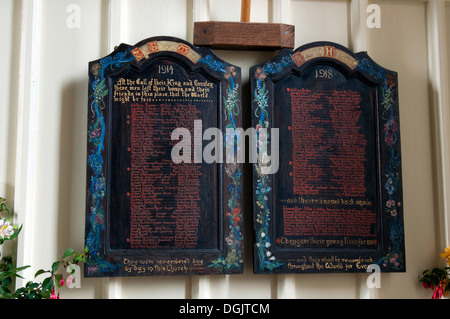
x,y
328,162
329,151
164,196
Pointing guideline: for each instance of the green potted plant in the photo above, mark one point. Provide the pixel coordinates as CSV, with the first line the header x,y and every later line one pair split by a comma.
x,y
49,287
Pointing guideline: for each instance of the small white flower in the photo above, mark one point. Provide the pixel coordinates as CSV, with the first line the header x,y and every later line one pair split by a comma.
x,y
6,229
263,235
272,258
267,245
268,254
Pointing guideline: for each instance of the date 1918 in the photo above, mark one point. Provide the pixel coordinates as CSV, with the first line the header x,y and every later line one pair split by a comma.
x,y
324,74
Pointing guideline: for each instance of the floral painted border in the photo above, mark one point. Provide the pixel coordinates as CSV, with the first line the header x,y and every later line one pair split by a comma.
x,y
394,258
96,139
95,227
233,239
263,191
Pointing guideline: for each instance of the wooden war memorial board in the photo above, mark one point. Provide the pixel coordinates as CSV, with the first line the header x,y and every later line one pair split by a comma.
x,y
335,202
147,214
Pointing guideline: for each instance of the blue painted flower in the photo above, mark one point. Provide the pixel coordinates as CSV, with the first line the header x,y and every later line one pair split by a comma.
x,y
91,242
95,162
277,67
371,68
99,185
213,65
262,190
106,61
390,186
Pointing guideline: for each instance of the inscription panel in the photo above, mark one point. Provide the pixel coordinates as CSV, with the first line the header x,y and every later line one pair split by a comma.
x,y
330,206
154,207
163,201
165,197
331,188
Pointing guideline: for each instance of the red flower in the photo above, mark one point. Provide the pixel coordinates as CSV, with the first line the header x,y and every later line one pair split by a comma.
x,y
236,211
438,293
236,220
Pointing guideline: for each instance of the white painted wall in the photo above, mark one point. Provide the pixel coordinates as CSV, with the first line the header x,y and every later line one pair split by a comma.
x,y
43,111
8,115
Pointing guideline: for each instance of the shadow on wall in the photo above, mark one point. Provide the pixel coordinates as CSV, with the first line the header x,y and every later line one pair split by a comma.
x,y
72,166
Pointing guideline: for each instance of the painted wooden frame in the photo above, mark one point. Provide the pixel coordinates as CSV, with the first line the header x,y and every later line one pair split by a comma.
x,y
138,96
298,209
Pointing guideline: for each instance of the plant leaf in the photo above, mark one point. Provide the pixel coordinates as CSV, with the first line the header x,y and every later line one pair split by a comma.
x,y
16,233
58,280
33,285
55,266
40,272
47,284
69,252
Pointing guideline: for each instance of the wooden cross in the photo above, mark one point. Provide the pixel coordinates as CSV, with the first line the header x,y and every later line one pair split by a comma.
x,y
245,10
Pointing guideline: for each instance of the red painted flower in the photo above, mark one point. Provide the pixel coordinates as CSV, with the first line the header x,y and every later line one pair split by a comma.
x,y
390,80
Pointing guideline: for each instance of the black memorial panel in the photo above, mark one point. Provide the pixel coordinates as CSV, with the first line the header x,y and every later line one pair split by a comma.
x,y
158,199
333,203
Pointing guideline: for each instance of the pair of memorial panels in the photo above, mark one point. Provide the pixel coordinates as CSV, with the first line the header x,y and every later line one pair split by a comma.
x,y
167,154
